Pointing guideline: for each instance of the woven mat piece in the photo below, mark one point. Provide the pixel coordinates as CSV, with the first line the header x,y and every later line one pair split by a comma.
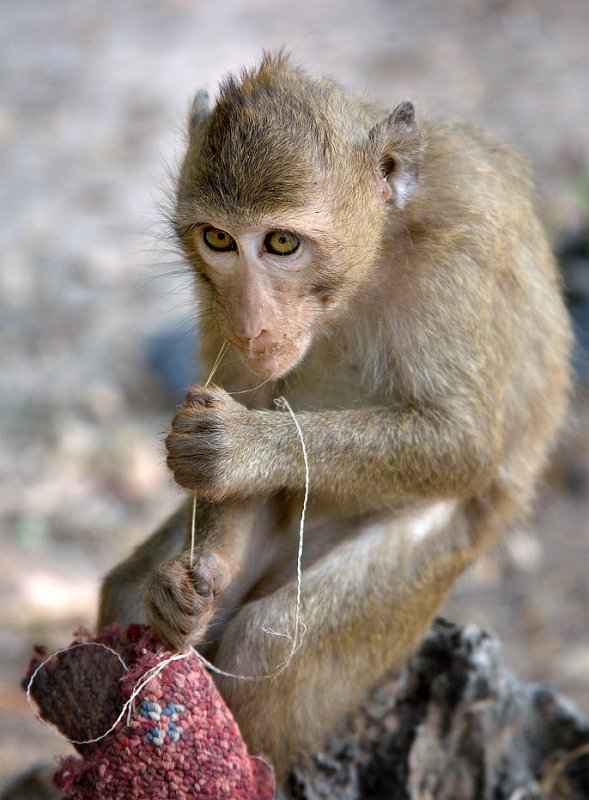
x,y
180,741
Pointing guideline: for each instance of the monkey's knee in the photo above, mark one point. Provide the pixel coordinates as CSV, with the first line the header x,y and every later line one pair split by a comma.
x,y
272,711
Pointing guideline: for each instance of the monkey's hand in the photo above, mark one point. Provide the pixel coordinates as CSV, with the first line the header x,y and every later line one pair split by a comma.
x,y
180,599
206,442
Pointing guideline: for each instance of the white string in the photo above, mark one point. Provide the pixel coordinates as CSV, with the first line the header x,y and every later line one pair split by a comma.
x,y
128,705
300,627
282,402
210,666
151,673
218,360
40,666
253,388
192,530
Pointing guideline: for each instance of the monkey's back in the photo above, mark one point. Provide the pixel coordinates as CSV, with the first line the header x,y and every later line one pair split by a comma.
x,y
489,214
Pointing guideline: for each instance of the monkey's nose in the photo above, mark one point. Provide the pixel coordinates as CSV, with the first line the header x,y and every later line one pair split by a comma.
x,y
251,338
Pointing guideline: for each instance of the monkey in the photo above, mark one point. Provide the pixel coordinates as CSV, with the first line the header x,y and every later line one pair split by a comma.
x,y
386,272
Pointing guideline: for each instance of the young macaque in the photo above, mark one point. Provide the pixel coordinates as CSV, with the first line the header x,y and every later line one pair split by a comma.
x,y
388,276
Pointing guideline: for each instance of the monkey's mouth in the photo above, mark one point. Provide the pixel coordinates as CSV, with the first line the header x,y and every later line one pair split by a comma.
x,y
275,361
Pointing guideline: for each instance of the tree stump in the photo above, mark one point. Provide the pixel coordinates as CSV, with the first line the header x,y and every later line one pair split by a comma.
x,y
455,724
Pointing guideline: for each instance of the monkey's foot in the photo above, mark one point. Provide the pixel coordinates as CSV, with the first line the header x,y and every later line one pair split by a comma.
x,y
180,598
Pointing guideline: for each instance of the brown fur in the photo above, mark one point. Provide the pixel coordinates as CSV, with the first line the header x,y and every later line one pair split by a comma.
x,y
420,335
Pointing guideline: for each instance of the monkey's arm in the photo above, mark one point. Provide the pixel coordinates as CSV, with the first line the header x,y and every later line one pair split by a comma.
x,y
191,582
220,449
173,585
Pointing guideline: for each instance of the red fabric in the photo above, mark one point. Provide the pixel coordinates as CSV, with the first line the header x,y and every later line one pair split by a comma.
x,y
180,742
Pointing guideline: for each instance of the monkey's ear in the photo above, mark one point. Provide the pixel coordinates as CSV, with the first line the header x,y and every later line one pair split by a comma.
x,y
399,151
199,110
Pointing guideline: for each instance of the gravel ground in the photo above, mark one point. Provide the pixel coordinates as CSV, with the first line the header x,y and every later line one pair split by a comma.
x,y
93,100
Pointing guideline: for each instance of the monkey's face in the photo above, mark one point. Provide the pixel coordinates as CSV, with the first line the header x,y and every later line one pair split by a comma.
x,y
271,285
281,204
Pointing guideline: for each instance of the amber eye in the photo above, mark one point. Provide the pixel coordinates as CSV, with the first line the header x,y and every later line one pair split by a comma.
x,y
218,240
281,243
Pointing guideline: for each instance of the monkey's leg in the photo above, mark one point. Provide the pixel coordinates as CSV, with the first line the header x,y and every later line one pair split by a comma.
x,y
171,585
365,606
121,593
182,594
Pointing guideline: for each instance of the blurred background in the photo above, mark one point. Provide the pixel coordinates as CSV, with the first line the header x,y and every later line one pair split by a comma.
x,y
96,317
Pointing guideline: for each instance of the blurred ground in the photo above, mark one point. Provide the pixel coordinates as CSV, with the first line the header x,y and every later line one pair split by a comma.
x,y
93,99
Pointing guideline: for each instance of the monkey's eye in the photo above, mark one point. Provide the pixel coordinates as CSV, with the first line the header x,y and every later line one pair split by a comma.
x,y
218,240
281,243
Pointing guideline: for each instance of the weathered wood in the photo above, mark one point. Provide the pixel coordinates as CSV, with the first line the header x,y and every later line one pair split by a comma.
x,y
454,725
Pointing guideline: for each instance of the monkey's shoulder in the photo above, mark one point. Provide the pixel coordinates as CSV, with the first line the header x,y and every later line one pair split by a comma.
x,y
465,159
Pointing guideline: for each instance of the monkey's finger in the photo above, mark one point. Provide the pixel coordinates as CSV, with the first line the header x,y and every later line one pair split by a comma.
x,y
199,397
188,422
167,590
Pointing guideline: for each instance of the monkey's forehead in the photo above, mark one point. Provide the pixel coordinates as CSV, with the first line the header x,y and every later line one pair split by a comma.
x,y
238,202
256,170
253,175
